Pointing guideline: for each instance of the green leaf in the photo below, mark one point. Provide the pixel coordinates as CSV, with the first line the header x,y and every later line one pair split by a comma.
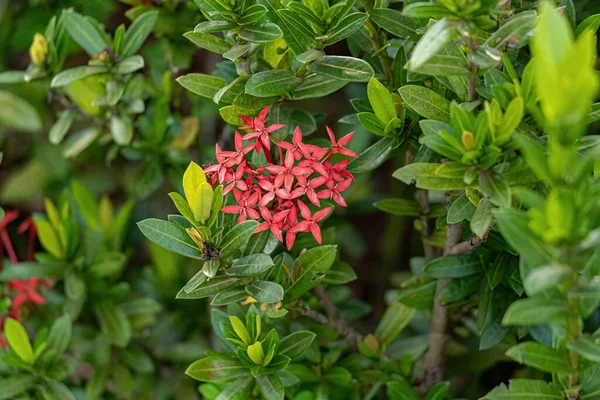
x,y
399,207
520,389
456,266
61,126
590,23
440,391
420,297
270,387
272,83
260,32
460,288
253,14
59,337
426,102
448,61
461,209
9,77
381,101
252,265
546,277
183,207
236,390
208,42
121,129
316,261
394,22
346,27
80,141
436,37
83,32
216,369
374,156
371,123
295,344
201,84
534,311
586,346
208,288
339,274
541,357
394,320
238,235
74,285
18,114
482,218
342,68
129,65
15,385
67,76
447,176
338,376
297,34
265,291
114,324
48,237
515,32
18,340
138,32
28,270
203,202
229,296
170,237
316,86
400,390
496,189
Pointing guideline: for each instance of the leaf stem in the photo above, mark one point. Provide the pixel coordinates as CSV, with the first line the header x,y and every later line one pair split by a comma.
x,y
573,332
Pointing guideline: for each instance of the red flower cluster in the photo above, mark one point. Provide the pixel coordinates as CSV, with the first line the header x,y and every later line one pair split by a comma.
x,y
276,194
23,292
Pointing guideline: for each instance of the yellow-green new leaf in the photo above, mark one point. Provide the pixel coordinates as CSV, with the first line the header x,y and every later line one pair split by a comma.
x,y
192,178
256,353
18,340
203,202
240,329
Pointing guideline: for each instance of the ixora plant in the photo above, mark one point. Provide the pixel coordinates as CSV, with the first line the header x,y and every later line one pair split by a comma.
x,y
484,110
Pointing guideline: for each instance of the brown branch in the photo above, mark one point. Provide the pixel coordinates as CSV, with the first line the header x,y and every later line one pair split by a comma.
x,y
468,246
434,362
327,303
346,332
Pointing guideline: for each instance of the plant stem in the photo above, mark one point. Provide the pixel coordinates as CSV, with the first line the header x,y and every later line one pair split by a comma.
x,y
474,80
346,332
573,332
434,361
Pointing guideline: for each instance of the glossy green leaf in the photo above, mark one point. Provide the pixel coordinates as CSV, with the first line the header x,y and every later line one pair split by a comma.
x,y
399,207
394,22
208,288
436,37
540,357
138,32
208,42
83,32
170,237
265,291
216,369
238,235
251,265
534,311
260,32
272,83
67,76
270,387
342,68
312,263
426,102
114,324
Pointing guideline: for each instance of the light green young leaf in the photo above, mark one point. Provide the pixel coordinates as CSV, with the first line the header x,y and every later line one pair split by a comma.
x,y
18,340
83,32
138,32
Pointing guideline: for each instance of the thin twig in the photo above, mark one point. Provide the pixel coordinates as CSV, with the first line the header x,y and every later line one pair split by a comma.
x,y
346,332
327,303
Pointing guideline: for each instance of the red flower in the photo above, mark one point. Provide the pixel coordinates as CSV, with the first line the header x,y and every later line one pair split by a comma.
x,y
260,131
272,222
304,187
287,172
310,222
236,179
340,145
271,191
334,191
26,292
244,207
